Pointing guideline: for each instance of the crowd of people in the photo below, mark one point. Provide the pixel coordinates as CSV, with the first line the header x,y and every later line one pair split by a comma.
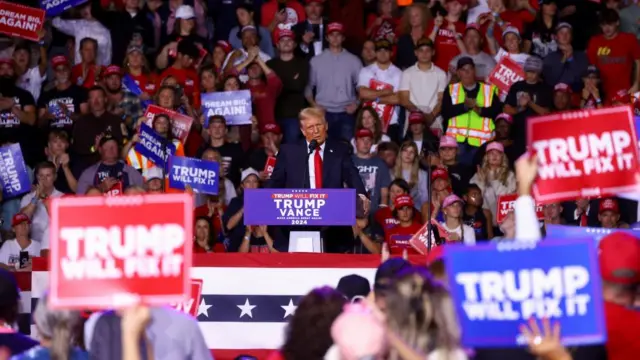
x,y
405,88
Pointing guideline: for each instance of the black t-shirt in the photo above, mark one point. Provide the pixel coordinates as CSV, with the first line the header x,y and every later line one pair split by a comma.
x,y
543,39
71,97
294,75
460,175
541,94
12,130
478,222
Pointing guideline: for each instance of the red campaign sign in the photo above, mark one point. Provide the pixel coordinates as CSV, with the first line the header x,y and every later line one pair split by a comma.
x,y
190,305
385,111
270,165
588,153
506,204
419,240
116,190
114,251
21,21
505,74
180,123
635,98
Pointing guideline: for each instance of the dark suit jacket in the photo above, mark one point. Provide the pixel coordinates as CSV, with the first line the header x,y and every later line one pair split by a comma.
x,y
299,29
337,168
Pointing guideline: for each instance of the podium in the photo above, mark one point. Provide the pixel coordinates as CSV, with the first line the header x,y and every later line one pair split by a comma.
x,y
304,211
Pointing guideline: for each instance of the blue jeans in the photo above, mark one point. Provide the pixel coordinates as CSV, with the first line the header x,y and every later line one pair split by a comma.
x,y
290,130
341,125
466,153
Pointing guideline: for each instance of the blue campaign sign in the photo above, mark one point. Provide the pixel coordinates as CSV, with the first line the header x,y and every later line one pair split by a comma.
x,y
235,106
567,232
154,146
498,287
56,7
14,176
131,86
312,207
201,175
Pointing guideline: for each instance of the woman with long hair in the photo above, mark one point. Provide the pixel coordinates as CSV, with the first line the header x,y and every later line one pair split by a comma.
x,y
208,80
453,221
369,119
413,27
136,66
540,35
204,237
56,333
397,237
408,168
308,335
494,177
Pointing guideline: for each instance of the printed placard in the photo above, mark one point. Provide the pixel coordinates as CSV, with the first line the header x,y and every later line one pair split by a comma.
x,y
154,146
506,73
14,176
21,21
235,106
419,240
191,304
110,252
201,175
270,165
506,204
180,123
385,111
54,8
588,153
313,207
130,85
498,287
581,232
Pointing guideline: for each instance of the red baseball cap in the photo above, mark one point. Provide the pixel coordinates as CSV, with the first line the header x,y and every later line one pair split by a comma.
x,y
270,128
620,258
472,26
562,87
283,33
609,205
59,60
462,2
448,142
8,61
506,117
112,70
416,117
19,218
225,46
402,201
335,26
364,133
439,173
315,1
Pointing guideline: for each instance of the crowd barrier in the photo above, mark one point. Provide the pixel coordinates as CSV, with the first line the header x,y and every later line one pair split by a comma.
x,y
247,299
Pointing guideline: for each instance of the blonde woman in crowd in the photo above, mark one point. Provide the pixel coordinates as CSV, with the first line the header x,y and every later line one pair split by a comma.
x,y
494,177
408,168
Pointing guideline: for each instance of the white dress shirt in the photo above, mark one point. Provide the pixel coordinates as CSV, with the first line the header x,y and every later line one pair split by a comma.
x,y
311,161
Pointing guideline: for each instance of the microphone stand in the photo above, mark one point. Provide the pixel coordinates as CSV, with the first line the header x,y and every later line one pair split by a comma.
x,y
166,164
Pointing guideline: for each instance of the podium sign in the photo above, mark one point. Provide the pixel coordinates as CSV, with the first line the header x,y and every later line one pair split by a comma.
x,y
304,207
305,242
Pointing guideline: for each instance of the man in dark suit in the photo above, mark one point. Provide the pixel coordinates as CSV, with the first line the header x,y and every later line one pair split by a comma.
x,y
319,163
310,34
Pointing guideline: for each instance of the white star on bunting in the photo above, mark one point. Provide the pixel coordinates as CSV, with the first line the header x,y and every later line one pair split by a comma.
x,y
203,308
289,309
246,309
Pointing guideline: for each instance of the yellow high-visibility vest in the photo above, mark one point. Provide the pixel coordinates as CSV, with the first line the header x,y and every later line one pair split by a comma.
x,y
471,127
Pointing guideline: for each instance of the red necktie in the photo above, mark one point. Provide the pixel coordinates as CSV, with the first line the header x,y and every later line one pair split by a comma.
x,y
317,166
583,220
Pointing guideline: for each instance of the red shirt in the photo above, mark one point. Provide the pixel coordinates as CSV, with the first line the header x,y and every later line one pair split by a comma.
x,y
623,342
295,14
264,96
383,31
384,218
615,59
90,79
445,43
397,238
188,79
146,82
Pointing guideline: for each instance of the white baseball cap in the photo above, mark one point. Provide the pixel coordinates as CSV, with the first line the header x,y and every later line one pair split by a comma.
x,y
154,173
248,172
185,12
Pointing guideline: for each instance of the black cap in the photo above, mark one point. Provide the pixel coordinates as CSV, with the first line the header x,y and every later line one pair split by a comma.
x,y
353,286
9,293
423,42
189,48
105,138
247,5
464,61
591,70
383,44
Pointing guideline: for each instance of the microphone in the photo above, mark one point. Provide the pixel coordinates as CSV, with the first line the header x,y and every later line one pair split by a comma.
x,y
313,144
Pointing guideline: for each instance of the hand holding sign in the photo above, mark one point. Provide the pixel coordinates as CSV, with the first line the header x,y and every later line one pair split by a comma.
x,y
546,343
135,320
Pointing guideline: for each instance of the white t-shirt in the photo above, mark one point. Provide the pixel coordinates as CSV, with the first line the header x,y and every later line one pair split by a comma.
x,y
391,76
424,86
31,81
10,251
40,218
465,232
518,58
